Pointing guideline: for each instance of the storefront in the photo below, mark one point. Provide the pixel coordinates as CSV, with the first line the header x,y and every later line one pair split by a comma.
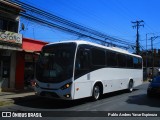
x,y
17,62
26,61
17,56
10,44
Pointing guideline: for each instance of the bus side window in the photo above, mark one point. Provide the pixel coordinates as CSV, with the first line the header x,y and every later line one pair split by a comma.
x,y
129,62
82,61
98,57
112,59
135,62
82,64
140,63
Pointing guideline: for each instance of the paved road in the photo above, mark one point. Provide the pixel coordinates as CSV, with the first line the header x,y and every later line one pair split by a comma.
x,y
117,101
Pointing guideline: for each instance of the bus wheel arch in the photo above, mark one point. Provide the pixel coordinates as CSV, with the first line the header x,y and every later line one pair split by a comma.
x,y
97,90
130,85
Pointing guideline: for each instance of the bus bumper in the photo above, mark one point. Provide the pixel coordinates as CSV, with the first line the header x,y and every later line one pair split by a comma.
x,y
54,94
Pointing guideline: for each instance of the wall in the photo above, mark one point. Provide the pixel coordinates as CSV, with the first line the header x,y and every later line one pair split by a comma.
x,y
30,45
19,83
12,70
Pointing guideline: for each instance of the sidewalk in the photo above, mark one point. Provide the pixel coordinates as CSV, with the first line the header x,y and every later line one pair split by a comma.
x,y
7,98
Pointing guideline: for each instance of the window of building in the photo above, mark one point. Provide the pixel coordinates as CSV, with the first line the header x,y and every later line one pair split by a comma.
x,y
8,25
1,24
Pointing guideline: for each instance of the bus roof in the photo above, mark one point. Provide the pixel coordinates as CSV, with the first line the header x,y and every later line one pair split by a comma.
x,y
78,42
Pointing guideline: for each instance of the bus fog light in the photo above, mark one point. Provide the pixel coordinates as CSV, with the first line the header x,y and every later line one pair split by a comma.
x,y
67,95
36,85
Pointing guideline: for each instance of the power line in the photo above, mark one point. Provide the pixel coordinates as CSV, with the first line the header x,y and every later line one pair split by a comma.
x,y
49,24
45,18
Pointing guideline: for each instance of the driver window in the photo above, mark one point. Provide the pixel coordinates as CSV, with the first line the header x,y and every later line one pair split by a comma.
x,y
82,62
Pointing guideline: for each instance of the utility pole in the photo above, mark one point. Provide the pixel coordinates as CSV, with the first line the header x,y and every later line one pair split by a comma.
x,y
153,38
147,49
137,25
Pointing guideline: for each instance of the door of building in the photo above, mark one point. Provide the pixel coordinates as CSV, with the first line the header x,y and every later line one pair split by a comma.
x,y
0,71
1,67
4,72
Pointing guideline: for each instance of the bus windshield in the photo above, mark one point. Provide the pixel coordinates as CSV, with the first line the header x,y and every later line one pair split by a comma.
x,y
55,63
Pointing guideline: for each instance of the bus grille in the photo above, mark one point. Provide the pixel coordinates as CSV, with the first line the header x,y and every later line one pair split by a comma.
x,y
49,94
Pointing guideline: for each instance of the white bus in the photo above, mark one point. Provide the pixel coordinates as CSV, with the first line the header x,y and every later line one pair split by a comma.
x,y
78,69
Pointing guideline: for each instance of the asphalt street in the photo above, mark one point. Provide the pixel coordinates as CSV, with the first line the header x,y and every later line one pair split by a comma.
x,y
116,101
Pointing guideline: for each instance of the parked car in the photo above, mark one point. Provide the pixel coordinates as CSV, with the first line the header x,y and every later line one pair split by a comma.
x,y
154,87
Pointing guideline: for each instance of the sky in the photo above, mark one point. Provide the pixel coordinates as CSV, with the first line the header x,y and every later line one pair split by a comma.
x,y
112,17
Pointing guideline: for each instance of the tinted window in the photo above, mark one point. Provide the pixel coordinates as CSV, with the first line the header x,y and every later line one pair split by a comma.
x,y
82,59
137,62
98,57
107,58
121,60
129,60
55,63
82,65
111,59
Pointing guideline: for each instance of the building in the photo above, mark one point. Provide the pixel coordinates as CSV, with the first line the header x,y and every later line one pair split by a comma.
x,y
151,60
10,43
25,67
17,54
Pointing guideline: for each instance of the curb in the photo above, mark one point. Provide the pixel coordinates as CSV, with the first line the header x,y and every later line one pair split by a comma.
x,y
6,102
16,100
24,99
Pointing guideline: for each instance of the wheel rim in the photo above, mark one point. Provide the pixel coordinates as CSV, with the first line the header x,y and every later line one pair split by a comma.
x,y
96,92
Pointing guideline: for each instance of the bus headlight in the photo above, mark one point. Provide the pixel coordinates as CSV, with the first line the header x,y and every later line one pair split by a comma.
x,y
34,84
66,86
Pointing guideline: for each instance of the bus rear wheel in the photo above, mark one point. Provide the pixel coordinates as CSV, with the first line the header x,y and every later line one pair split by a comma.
x,y
96,92
130,86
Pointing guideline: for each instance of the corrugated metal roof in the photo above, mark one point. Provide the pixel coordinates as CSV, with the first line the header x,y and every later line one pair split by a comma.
x,y
13,5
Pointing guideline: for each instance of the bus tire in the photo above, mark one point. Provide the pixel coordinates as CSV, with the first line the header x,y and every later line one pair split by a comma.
x,y
130,86
96,92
